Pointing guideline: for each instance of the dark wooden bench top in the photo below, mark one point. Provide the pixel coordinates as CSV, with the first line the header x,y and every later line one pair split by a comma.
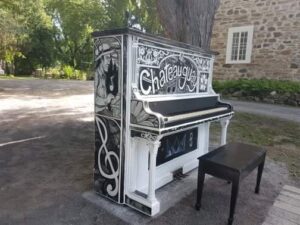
x,y
236,156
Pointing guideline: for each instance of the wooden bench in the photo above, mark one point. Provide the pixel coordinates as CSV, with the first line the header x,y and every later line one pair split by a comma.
x,y
231,162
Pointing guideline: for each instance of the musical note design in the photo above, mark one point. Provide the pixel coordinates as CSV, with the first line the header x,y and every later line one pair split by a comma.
x,y
111,159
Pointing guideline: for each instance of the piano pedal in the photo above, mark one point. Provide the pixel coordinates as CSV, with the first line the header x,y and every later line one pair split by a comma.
x,y
184,175
178,175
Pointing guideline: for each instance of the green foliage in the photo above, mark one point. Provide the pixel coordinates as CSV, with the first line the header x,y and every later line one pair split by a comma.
x,y
26,35
65,72
48,33
10,30
42,48
68,71
55,73
256,87
147,15
140,14
80,75
116,13
74,20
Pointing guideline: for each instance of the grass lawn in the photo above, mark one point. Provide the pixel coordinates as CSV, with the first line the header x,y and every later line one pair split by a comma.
x,y
281,138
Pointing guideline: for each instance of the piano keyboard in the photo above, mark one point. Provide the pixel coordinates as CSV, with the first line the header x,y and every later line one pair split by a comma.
x,y
170,119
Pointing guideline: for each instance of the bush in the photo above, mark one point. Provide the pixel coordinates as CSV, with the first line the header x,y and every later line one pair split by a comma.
x,y
256,86
68,71
64,72
272,91
54,72
79,75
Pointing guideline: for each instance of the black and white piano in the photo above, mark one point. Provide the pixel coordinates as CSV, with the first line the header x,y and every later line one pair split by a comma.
x,y
154,102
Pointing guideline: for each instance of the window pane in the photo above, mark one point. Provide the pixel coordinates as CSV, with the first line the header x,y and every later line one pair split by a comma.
x,y
235,46
243,45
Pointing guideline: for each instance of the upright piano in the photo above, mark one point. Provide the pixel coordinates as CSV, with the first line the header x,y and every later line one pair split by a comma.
x,y
154,103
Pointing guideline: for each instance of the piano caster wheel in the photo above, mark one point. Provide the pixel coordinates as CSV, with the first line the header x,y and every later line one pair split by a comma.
x,y
197,207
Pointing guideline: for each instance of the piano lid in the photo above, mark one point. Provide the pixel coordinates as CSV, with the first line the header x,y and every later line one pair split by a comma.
x,y
151,37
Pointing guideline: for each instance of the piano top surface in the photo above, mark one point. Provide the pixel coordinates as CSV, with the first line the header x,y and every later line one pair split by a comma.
x,y
136,32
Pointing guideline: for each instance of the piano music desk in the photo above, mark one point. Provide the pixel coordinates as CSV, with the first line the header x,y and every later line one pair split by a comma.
x,y
231,162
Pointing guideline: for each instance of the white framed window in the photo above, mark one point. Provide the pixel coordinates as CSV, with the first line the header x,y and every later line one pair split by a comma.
x,y
239,44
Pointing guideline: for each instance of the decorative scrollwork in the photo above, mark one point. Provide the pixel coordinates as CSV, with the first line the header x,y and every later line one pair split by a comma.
x,y
109,157
148,136
203,64
150,56
140,116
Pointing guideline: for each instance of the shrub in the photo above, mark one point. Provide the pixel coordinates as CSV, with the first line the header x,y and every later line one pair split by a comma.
x,y
256,86
271,91
54,72
68,71
64,72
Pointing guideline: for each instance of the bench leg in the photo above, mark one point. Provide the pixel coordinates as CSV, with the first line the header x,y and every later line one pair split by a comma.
x,y
259,173
234,195
201,176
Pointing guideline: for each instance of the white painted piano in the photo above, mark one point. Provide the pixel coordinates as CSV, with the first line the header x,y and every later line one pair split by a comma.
x,y
154,102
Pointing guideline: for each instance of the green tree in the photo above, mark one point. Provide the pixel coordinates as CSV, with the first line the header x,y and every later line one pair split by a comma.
x,y
10,33
39,50
44,33
26,35
147,15
115,11
74,20
141,14
38,46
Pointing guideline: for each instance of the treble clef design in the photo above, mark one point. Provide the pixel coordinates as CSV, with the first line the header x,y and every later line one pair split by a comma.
x,y
109,156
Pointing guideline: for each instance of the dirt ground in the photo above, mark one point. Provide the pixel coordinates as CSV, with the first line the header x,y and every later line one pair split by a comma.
x,y
46,163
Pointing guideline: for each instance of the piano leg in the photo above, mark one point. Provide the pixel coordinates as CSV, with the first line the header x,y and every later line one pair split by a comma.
x,y
224,124
153,148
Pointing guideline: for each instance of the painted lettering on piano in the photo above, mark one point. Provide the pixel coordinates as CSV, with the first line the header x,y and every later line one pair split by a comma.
x,y
169,72
175,76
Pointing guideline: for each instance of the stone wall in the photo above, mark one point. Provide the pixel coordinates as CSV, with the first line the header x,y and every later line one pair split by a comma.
x,y
276,38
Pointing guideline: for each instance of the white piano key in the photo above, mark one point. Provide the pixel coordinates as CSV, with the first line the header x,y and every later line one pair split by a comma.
x,y
193,114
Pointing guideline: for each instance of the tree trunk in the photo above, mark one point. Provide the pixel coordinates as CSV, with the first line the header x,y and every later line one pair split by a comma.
x,y
189,21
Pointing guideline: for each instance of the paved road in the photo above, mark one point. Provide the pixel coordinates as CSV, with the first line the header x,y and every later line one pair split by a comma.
x,y
282,112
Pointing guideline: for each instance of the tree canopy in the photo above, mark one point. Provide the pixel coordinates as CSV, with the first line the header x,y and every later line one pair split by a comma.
x,y
52,33
48,33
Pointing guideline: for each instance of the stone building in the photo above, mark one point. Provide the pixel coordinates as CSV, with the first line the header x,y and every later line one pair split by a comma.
x,y
257,39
